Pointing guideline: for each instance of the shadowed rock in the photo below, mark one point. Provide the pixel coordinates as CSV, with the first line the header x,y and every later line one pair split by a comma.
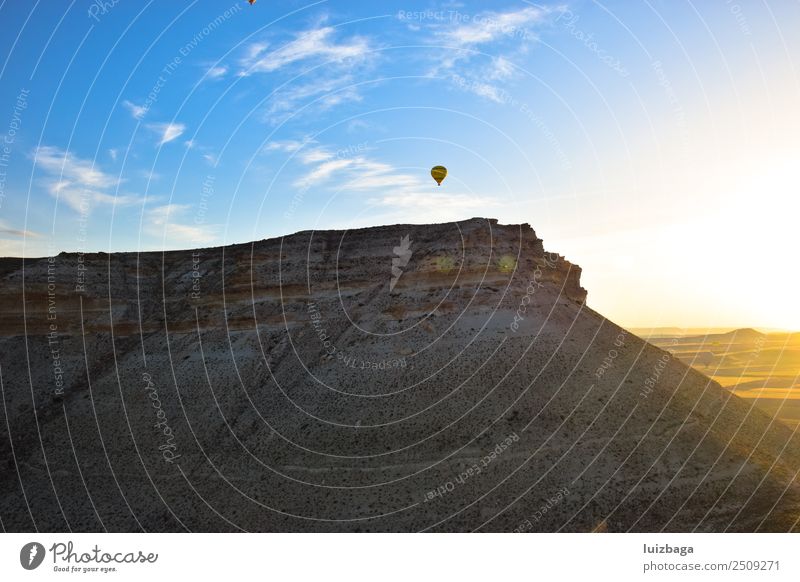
x,y
325,382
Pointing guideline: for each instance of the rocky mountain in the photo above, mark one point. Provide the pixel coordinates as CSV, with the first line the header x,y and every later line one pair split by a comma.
x,y
445,377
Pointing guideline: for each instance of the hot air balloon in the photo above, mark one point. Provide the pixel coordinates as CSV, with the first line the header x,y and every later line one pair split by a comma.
x,y
251,2
439,173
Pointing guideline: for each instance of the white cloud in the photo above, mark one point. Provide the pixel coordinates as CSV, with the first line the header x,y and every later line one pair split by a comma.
x,y
315,43
287,98
161,222
490,92
342,59
7,231
137,111
381,180
204,151
167,131
512,28
330,90
216,72
359,125
344,95
480,88
84,200
290,146
357,173
396,195
77,182
491,26
501,69
70,168
149,175
371,175
322,172
252,51
315,155
113,153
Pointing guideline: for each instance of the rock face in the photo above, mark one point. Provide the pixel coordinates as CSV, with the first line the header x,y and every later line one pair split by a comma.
x,y
443,377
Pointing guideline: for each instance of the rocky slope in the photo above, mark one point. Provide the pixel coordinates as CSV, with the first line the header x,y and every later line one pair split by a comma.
x,y
443,377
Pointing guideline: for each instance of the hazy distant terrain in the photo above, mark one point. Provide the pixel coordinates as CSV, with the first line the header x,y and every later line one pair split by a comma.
x,y
444,377
761,367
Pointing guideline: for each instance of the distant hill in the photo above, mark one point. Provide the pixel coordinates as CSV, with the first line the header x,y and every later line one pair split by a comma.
x,y
743,335
667,332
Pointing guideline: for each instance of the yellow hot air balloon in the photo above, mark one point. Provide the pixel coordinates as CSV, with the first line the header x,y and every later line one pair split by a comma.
x,y
439,173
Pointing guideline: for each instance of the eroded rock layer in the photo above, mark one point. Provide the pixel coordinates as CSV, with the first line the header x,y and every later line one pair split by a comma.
x,y
444,377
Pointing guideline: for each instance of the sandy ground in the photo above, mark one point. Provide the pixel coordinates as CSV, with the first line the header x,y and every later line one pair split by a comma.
x,y
760,367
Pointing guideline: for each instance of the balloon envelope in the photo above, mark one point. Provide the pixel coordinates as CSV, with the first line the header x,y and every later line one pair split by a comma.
x,y
439,173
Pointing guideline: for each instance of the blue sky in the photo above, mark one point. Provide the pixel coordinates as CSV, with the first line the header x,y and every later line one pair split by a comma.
x,y
643,140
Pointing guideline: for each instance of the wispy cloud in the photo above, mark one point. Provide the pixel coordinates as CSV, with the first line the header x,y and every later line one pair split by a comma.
x,y
165,221
329,89
343,95
7,231
317,43
252,52
394,193
480,88
287,98
507,34
501,69
216,72
372,175
167,131
71,168
76,181
355,170
205,152
357,125
343,60
316,155
322,172
492,26
137,111
85,200
290,146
